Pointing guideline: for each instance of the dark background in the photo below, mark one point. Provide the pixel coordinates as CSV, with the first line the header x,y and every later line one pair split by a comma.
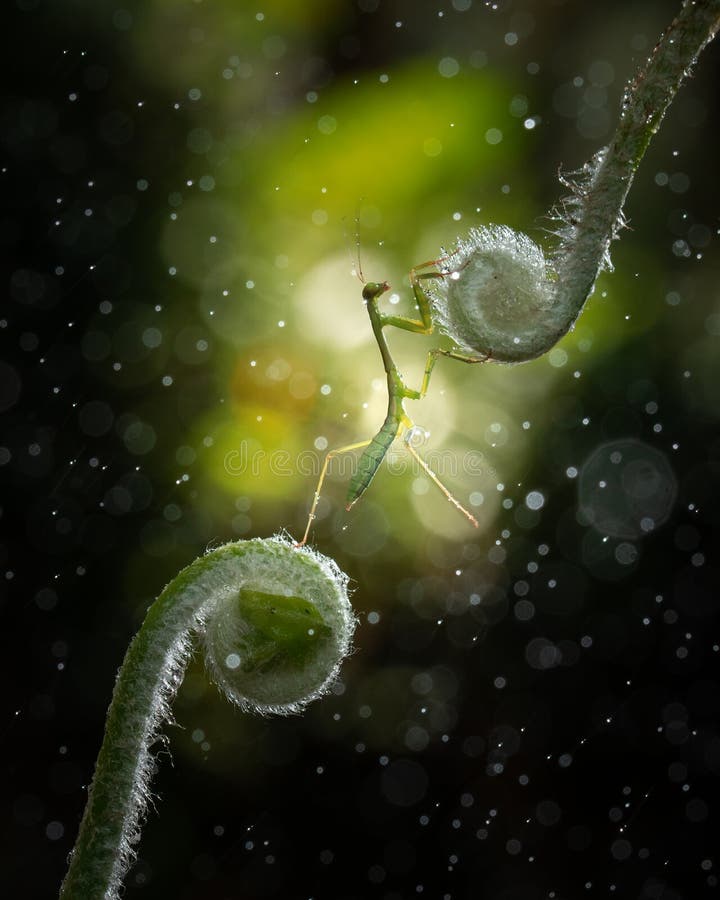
x,y
531,712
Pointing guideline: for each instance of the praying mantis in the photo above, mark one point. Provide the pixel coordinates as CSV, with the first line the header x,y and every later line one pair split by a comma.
x,y
397,419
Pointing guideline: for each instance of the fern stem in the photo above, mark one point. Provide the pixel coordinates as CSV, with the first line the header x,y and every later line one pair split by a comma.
x,y
262,571
593,214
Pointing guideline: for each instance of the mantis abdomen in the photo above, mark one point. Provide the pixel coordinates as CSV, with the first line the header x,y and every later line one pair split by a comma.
x,y
371,458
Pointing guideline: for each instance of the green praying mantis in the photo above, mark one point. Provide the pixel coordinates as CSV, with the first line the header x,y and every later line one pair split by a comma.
x,y
397,420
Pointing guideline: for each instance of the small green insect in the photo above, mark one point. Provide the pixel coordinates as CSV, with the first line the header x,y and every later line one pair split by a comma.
x,y
397,419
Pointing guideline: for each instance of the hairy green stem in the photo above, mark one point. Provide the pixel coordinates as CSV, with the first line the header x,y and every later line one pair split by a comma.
x,y
277,623
593,215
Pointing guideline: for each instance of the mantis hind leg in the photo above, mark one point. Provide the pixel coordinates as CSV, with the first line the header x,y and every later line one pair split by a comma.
x,y
323,473
429,472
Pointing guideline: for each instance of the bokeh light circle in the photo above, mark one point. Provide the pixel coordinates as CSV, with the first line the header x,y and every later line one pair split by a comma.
x,y
626,488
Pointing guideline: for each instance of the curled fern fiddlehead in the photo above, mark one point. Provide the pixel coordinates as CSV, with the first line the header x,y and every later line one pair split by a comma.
x,y
276,624
499,297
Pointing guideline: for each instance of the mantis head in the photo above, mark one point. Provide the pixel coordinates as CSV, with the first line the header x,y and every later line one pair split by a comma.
x,y
374,289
